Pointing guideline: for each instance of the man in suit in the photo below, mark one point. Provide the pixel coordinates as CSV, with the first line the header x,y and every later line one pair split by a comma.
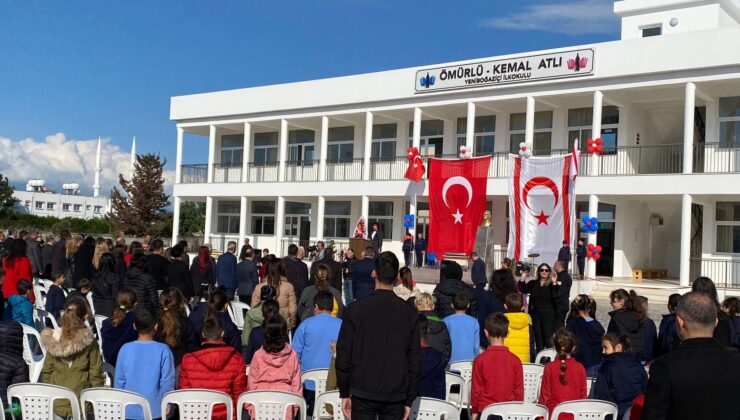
x,y
478,272
699,379
562,300
377,237
247,275
226,270
296,270
33,252
363,283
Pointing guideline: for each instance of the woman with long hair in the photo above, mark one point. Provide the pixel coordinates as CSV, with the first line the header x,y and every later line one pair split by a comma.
x,y
543,291
119,252
100,248
216,306
72,356
649,330
406,288
624,319
70,248
83,260
722,332
323,284
588,332
105,285
203,271
491,301
17,267
142,283
174,327
119,328
275,277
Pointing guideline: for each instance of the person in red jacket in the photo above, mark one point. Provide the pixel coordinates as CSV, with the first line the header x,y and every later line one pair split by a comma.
x,y
564,378
217,366
17,267
497,372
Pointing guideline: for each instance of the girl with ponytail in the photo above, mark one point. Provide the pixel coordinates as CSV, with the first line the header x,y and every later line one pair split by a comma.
x,y
625,320
119,328
174,328
564,378
588,332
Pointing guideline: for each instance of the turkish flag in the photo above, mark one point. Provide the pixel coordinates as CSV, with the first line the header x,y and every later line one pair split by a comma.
x,y
457,200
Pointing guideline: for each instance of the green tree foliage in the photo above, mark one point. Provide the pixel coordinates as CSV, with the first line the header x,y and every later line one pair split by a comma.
x,y
141,209
6,193
192,218
20,221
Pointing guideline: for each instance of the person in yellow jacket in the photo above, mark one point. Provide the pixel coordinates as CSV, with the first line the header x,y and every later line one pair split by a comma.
x,y
519,341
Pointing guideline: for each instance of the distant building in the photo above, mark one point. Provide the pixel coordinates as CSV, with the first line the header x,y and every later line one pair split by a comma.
x,y
41,201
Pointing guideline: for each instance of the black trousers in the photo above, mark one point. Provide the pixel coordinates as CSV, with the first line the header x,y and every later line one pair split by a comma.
x,y
381,410
419,259
407,258
543,324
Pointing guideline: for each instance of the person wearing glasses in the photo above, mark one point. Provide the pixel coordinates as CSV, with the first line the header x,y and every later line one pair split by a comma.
x,y
544,293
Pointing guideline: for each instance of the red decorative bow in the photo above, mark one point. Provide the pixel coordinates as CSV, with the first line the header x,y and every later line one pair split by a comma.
x,y
416,167
595,146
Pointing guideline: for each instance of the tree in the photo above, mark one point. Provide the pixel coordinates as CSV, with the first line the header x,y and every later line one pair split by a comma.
x,y
141,209
192,218
6,193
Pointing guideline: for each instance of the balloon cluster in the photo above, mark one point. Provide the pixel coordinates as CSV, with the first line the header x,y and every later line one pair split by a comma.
x,y
595,146
590,225
408,221
593,252
416,167
465,153
525,150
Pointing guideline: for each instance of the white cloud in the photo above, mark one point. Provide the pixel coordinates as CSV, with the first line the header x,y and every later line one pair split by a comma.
x,y
569,17
59,160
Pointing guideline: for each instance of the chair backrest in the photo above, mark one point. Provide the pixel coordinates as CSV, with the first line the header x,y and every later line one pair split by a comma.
x,y
465,369
236,312
47,283
37,400
546,356
197,404
532,381
40,316
452,379
318,377
35,361
272,405
586,409
331,398
99,326
516,411
589,384
433,409
39,292
110,404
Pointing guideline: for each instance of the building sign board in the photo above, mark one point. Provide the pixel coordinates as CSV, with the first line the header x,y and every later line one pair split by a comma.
x,y
565,64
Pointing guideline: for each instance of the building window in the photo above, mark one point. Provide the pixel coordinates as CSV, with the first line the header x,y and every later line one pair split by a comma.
x,y
336,219
542,132
263,217
266,148
653,30
301,147
431,137
728,227
485,128
65,206
78,207
39,205
98,209
381,212
729,122
384,143
88,207
580,122
227,217
341,144
50,206
232,149
295,214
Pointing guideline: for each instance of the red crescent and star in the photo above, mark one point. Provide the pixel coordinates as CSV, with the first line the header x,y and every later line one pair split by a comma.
x,y
536,182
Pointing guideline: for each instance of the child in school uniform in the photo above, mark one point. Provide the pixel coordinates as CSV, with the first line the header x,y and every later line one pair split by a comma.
x,y
564,378
621,376
588,332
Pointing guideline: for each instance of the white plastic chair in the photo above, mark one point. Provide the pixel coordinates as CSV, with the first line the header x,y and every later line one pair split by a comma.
x,y
515,411
197,404
236,312
272,405
37,400
452,379
39,292
589,384
433,409
99,327
465,369
47,283
586,409
318,377
532,380
110,404
331,398
40,316
544,355
35,362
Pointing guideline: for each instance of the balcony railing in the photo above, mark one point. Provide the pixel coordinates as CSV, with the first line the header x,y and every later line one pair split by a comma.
x,y
262,172
344,171
227,172
713,158
724,273
302,171
194,173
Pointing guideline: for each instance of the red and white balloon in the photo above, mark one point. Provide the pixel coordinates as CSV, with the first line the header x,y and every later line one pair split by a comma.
x,y
465,153
525,149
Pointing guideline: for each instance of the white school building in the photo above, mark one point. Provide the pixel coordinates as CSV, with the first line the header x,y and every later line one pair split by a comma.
x,y
302,161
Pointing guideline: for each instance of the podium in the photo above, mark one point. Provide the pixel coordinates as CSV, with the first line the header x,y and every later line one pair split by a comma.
x,y
358,245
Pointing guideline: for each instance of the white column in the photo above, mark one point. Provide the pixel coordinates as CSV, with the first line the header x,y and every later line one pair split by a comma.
x,y
323,147
247,153
175,220
209,217
470,129
368,146
416,137
529,122
412,211
178,156
685,261
283,150
320,210
593,167
593,211
242,221
688,137
211,151
279,225
365,209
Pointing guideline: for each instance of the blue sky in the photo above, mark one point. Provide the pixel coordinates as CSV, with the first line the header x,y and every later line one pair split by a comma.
x,y
75,70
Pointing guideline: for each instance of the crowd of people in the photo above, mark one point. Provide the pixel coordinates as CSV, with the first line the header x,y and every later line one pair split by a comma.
x,y
384,341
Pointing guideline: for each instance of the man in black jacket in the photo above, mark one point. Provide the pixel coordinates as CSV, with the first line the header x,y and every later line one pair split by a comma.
x,y
378,367
478,272
363,283
565,282
700,379
450,285
158,264
247,276
296,271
